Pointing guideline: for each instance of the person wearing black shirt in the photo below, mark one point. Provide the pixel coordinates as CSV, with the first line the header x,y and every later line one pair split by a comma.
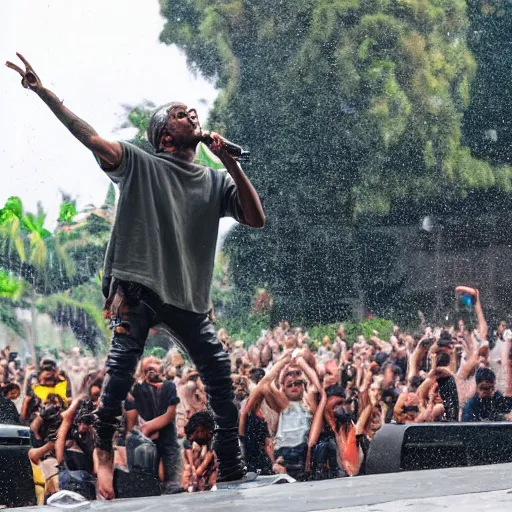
x,y
154,402
8,412
487,404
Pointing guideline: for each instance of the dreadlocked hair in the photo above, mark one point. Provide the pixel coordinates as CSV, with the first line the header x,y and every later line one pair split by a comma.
x,y
199,419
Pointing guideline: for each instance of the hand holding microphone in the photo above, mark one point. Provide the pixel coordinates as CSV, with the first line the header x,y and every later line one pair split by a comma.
x,y
216,143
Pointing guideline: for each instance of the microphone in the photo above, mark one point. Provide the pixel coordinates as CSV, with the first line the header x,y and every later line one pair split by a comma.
x,y
233,149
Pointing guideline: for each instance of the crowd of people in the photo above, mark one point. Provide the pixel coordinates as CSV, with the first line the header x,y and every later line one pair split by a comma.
x,y
306,409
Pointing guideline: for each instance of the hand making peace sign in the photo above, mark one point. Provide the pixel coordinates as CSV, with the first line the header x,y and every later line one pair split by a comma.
x,y
29,78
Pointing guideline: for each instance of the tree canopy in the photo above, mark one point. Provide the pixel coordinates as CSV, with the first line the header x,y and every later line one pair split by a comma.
x,y
54,273
347,106
488,120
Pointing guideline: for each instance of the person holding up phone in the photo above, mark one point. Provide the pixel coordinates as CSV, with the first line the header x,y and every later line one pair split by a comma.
x,y
442,353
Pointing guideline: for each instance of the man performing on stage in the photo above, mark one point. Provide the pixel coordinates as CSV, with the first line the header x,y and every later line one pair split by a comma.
x,y
160,259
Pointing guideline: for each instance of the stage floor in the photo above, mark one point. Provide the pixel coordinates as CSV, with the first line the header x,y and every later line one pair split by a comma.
x,y
481,488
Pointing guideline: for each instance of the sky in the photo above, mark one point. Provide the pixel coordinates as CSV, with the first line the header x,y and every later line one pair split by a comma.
x,y
96,56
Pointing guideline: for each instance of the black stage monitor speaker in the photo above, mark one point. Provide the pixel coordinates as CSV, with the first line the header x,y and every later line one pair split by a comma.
x,y
135,484
16,479
439,445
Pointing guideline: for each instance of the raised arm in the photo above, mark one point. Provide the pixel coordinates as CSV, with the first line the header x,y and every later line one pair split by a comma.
x,y
415,358
109,153
274,372
310,372
483,329
62,432
316,427
398,410
248,198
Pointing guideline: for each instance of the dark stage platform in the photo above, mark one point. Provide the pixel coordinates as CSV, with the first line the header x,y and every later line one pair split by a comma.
x,y
482,488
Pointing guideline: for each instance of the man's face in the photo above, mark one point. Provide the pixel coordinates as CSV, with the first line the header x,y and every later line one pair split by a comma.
x,y
241,388
443,355
245,369
294,388
182,126
485,389
47,378
153,372
501,328
53,400
290,342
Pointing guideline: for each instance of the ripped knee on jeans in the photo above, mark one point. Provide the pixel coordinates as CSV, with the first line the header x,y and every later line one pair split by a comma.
x,y
119,326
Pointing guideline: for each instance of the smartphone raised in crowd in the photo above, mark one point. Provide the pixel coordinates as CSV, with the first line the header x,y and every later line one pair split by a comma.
x,y
466,301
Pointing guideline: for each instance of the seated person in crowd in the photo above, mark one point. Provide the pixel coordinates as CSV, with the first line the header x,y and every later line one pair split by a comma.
x,y
199,460
300,416
151,406
487,404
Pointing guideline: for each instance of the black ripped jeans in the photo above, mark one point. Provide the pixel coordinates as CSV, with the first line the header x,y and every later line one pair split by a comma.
x,y
134,310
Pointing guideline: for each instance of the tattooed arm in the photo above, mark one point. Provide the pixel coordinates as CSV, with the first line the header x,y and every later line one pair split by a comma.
x,y
109,153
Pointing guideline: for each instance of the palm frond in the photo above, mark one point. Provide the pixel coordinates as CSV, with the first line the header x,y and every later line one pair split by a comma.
x,y
11,232
11,287
38,250
8,317
85,319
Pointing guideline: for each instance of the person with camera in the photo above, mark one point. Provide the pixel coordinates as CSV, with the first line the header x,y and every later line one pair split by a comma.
x,y
40,385
410,409
442,377
44,429
159,262
75,436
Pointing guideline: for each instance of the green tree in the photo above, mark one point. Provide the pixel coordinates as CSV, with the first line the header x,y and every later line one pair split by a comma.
x,y
110,200
347,107
38,268
488,120
11,293
67,209
138,117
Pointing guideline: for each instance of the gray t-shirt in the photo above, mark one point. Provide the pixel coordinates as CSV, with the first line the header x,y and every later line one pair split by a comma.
x,y
166,226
